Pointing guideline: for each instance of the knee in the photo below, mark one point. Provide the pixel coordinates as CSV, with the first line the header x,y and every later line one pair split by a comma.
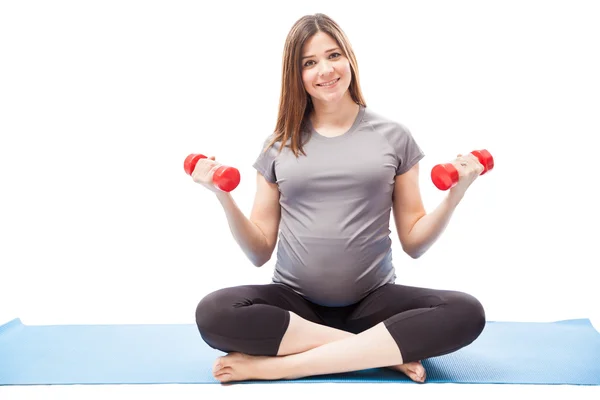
x,y
469,313
210,311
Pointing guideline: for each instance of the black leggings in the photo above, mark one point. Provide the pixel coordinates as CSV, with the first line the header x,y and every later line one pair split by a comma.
x,y
425,323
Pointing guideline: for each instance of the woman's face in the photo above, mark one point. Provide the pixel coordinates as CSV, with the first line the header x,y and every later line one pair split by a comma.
x,y
326,72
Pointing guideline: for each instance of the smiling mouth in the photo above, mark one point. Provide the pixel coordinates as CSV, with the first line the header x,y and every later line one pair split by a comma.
x,y
330,83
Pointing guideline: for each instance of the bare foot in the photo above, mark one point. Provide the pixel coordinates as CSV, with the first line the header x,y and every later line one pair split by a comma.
x,y
414,370
243,367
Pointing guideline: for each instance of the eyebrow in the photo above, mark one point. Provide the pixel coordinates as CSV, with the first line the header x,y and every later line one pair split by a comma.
x,y
326,51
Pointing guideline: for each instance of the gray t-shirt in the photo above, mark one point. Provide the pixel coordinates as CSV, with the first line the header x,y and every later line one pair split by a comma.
x,y
334,244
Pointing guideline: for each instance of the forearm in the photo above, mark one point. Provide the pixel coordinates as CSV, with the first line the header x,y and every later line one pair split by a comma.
x,y
247,234
428,228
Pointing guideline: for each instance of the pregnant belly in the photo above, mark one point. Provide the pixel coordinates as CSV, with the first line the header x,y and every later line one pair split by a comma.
x,y
334,272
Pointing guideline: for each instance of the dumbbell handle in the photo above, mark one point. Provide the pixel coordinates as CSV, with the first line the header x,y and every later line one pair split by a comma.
x,y
225,178
445,176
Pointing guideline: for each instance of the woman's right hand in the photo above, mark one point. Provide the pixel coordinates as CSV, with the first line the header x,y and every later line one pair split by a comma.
x,y
204,171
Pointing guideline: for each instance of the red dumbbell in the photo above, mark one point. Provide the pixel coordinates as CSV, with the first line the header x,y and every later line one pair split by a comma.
x,y
445,176
225,178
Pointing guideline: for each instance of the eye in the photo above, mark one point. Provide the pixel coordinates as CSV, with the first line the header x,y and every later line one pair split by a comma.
x,y
332,55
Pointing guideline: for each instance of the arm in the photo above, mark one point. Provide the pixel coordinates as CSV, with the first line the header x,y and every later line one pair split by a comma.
x,y
418,230
256,235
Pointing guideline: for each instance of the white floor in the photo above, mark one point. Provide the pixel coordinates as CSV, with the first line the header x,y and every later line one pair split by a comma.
x,y
298,391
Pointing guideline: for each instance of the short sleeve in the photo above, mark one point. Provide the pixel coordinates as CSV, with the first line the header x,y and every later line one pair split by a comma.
x,y
265,162
407,150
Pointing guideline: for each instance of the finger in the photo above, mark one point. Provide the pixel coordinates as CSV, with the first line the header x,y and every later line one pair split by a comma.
x,y
207,164
475,163
472,157
214,168
462,162
204,167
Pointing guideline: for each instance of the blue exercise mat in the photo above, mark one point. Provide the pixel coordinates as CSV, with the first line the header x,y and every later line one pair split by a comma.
x,y
563,352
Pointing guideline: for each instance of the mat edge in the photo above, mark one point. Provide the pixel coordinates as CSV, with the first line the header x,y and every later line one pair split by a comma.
x,y
14,323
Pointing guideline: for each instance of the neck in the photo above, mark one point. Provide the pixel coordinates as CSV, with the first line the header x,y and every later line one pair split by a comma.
x,y
328,114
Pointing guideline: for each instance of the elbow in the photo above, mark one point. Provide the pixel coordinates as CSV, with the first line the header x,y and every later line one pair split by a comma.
x,y
259,256
259,263
263,256
261,260
413,252
414,255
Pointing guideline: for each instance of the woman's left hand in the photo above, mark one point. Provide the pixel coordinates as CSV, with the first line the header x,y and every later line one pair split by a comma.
x,y
469,168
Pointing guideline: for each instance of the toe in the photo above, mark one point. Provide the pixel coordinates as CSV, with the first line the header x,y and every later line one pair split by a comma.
x,y
223,374
226,375
420,373
415,371
224,378
218,364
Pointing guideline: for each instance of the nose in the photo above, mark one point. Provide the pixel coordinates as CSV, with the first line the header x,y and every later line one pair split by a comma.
x,y
325,68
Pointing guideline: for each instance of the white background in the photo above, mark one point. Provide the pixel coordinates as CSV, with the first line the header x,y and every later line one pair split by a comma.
x,y
100,102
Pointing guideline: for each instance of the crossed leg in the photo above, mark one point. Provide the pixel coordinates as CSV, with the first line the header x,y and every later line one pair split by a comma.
x,y
297,339
310,349
421,322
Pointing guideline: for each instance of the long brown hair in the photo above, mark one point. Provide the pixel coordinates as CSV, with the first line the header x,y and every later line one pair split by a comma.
x,y
294,102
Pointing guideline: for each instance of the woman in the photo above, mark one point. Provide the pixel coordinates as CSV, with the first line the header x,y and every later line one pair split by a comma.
x,y
325,198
